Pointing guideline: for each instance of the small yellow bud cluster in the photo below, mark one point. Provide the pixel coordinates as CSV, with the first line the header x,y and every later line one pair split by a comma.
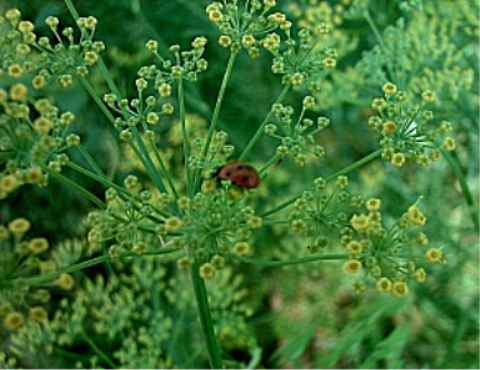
x,y
309,102
14,321
18,92
214,12
38,314
65,58
360,222
414,216
231,21
173,224
352,266
38,245
434,255
184,263
398,159
329,62
405,130
19,226
389,89
8,183
271,42
298,144
374,249
165,89
199,42
225,41
65,281
242,249
297,79
208,271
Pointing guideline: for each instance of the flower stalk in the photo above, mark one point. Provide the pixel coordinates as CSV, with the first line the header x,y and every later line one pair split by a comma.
x,y
200,290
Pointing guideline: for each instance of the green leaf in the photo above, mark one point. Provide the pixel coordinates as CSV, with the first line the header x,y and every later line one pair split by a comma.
x,y
353,335
296,346
389,349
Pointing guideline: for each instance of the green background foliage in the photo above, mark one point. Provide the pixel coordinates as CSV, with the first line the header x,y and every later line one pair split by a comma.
x,y
302,316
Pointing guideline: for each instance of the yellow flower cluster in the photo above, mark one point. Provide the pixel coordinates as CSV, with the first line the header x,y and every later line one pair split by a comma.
x,y
388,256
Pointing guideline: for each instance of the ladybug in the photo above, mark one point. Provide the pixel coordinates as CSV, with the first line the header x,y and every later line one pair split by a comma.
x,y
239,173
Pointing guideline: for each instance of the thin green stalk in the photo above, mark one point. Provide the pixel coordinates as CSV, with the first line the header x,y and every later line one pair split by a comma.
x,y
93,164
259,132
68,354
84,192
145,156
214,351
108,183
108,77
164,169
90,160
141,151
256,358
87,194
103,68
101,105
378,36
71,9
49,276
361,162
97,350
296,261
343,171
99,178
186,141
270,163
218,104
454,163
142,154
374,28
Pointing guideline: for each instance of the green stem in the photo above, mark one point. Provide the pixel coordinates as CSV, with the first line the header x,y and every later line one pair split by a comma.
x,y
108,77
143,154
267,165
259,132
70,355
454,163
379,37
256,358
99,178
186,142
49,276
218,106
361,162
271,263
44,278
214,351
101,105
374,28
141,151
107,183
84,192
164,169
97,350
71,9
90,160
343,171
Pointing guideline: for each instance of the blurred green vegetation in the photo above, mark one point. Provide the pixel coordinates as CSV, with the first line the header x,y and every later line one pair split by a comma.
x,y
305,316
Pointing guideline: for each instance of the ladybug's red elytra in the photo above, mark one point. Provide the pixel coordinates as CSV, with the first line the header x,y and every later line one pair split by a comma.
x,y
239,173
